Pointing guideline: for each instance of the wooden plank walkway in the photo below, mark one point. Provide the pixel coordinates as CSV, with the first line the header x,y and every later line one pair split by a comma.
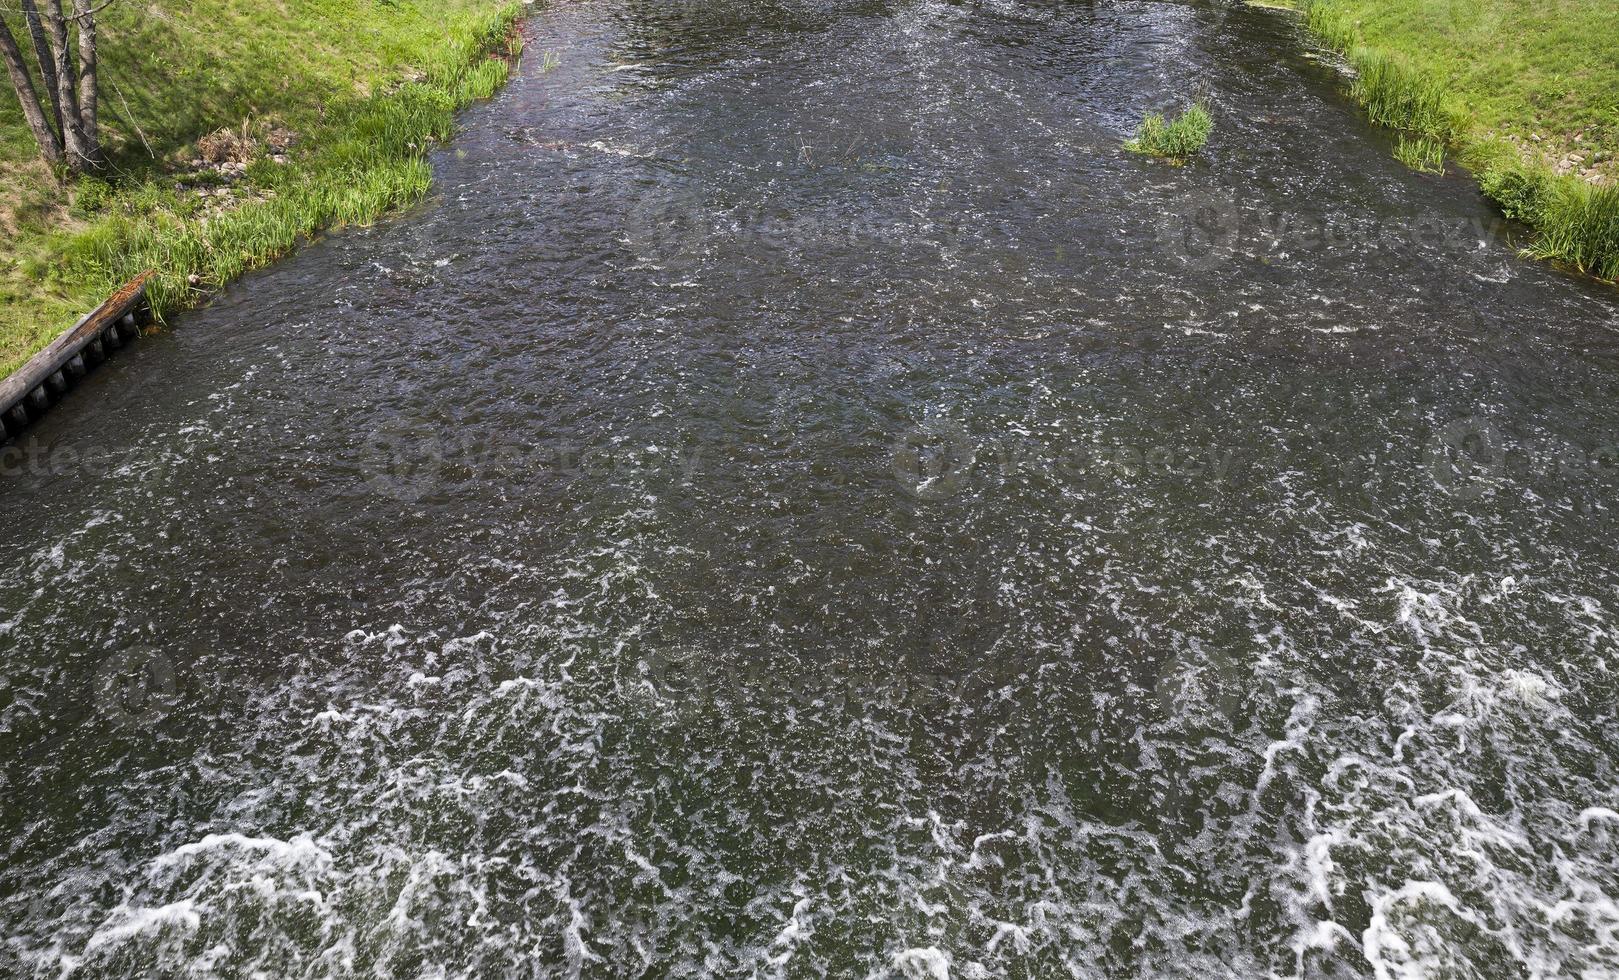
x,y
31,390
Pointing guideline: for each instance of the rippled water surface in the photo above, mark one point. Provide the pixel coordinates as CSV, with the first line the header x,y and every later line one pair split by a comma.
x,y
800,500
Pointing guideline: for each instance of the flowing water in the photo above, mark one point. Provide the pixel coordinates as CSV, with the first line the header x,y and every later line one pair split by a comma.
x,y
800,500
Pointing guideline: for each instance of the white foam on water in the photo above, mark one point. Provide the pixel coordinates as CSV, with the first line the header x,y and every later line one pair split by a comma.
x,y
129,923
545,799
1389,949
923,963
299,849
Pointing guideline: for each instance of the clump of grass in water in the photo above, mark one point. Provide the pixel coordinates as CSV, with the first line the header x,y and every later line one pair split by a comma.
x,y
1421,154
1175,140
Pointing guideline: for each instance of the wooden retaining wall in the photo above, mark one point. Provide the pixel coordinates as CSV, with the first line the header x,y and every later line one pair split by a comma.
x,y
32,389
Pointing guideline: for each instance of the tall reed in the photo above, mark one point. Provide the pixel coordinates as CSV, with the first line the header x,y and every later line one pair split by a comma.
x,y
1399,96
1421,153
1579,225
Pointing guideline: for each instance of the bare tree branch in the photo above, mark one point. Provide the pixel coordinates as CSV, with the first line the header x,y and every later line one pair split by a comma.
x,y
129,116
94,10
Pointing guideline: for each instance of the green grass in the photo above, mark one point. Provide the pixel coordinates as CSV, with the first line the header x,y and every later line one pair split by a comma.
x,y
1331,25
1421,153
1579,225
1177,140
370,88
1513,88
1400,96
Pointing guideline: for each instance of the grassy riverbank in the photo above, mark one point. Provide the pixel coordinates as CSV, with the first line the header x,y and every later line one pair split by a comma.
x,y
1525,93
317,116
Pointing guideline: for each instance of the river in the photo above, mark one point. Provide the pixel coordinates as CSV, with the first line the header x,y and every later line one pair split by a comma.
x,y
800,500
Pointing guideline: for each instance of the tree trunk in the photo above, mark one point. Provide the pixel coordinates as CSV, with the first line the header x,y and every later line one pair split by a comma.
x,y
73,88
47,64
81,156
50,147
89,90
